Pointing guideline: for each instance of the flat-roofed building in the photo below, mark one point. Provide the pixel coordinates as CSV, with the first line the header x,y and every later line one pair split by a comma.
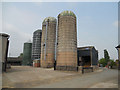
x,y
87,56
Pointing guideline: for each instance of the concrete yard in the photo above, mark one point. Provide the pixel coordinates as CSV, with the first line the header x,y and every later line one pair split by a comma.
x,y
26,76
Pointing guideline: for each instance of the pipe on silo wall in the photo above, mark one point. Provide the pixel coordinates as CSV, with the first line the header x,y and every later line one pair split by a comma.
x,y
67,42
48,42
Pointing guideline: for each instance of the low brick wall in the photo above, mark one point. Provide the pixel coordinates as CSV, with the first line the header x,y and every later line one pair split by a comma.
x,y
95,68
67,68
88,70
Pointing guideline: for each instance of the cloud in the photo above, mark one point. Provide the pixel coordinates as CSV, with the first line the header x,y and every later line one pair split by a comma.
x,y
19,23
17,38
38,3
116,23
12,29
21,16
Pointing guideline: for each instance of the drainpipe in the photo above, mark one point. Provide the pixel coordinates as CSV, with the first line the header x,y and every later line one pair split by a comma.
x,y
46,40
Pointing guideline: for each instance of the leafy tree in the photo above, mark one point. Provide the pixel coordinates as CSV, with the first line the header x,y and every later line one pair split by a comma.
x,y
103,62
112,63
21,55
106,56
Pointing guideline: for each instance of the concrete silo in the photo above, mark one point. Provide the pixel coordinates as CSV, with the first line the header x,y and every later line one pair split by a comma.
x,y
48,42
36,45
4,43
27,51
67,42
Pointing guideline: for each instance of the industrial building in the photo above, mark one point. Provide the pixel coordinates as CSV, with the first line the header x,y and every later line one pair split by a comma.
x,y
87,56
15,61
118,48
27,52
48,42
36,45
4,43
66,42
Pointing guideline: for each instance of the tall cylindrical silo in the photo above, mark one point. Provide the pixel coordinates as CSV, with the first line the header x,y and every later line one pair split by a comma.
x,y
66,42
27,51
36,45
4,43
48,42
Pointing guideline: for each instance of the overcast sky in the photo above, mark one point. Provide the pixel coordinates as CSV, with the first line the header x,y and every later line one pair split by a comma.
x,y
96,23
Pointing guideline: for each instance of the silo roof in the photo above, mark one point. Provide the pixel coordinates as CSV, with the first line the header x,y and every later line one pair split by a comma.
x,y
118,46
52,19
39,30
4,35
67,13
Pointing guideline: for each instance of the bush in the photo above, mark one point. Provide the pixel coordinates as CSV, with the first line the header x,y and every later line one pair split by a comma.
x,y
103,62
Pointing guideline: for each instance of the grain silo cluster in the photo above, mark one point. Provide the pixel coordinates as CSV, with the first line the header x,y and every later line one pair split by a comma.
x,y
56,45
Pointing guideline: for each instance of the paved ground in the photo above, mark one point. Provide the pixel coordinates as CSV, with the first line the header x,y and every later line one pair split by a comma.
x,y
25,76
104,79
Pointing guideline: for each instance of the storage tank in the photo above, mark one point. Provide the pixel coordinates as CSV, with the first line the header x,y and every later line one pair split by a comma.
x,y
27,51
36,45
66,42
48,42
4,42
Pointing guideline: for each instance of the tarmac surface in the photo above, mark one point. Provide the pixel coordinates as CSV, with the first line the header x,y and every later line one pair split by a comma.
x,y
105,79
30,77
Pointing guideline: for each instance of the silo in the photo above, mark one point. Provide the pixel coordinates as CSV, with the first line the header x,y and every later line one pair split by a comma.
x,y
27,51
48,42
67,42
36,45
4,42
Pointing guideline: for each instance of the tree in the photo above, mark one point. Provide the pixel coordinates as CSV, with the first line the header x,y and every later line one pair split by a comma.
x,y
103,62
112,63
106,56
21,55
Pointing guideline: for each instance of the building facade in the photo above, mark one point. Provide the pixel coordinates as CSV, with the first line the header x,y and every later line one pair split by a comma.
x,y
15,61
87,56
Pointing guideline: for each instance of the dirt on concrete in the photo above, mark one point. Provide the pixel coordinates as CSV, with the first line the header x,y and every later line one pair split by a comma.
x,y
30,77
27,76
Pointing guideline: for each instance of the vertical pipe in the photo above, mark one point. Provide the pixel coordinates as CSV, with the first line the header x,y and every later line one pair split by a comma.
x,y
46,40
55,48
56,43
